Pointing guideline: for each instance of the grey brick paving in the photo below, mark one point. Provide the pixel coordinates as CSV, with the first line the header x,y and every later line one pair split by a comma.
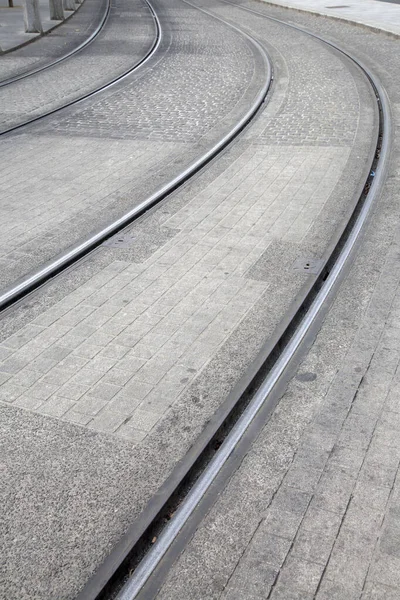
x,y
224,240
135,337
152,349
323,523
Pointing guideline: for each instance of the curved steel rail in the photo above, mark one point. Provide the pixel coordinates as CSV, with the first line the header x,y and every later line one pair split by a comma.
x,y
84,44
337,263
23,286
153,49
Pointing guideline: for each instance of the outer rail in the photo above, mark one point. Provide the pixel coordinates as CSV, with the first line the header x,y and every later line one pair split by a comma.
x,y
84,44
300,326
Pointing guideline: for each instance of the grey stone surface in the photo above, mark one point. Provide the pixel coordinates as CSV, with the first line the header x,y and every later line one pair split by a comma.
x,y
163,338
65,472
227,244
147,346
118,47
369,13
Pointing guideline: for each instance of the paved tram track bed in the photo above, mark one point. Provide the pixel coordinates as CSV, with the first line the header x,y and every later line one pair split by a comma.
x,y
125,39
320,485
115,150
117,378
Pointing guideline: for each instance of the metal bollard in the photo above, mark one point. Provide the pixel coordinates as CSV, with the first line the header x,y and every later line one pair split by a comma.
x,y
33,23
56,10
69,4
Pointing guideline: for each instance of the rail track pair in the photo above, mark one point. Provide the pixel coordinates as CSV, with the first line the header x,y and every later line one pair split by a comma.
x,y
255,396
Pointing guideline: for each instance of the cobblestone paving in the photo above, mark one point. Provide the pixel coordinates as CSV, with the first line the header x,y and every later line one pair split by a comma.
x,y
315,110
151,109
126,41
314,127
98,174
54,45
